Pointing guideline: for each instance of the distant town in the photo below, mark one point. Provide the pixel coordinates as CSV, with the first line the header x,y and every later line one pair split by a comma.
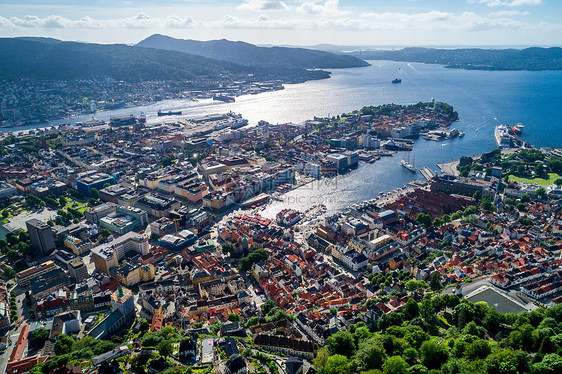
x,y
29,102
143,248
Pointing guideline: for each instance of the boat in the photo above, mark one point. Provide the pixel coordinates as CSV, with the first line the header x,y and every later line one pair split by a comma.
x,y
142,117
238,124
503,139
397,80
408,166
169,113
226,99
517,129
91,123
461,134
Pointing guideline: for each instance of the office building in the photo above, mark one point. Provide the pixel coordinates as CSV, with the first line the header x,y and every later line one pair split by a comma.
x,y
41,235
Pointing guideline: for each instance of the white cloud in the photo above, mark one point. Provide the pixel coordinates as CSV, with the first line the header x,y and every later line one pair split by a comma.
x,y
387,21
262,5
139,21
509,13
511,3
326,8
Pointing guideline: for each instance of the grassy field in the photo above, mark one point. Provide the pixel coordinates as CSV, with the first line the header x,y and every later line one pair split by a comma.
x,y
540,181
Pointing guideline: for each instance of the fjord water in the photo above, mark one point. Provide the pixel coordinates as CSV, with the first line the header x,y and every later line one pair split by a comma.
x,y
483,100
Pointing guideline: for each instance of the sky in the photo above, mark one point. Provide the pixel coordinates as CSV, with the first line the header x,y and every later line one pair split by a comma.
x,y
292,22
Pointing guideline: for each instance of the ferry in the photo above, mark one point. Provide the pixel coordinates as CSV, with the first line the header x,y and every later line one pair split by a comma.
x,y
239,123
168,113
503,139
91,123
408,166
517,129
142,118
226,99
397,80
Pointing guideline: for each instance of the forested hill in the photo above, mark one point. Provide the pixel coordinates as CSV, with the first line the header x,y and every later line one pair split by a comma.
x,y
474,58
252,55
43,58
448,335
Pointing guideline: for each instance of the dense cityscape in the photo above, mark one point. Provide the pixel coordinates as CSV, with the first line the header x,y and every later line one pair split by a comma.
x,y
142,248
281,187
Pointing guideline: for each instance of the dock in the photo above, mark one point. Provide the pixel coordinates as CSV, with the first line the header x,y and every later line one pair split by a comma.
x,y
427,173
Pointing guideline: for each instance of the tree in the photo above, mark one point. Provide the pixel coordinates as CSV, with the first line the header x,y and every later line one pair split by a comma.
x,y
411,309
541,192
227,248
410,355
341,343
550,364
321,358
432,354
105,233
492,320
525,198
167,161
477,196
479,349
417,369
395,365
539,170
424,219
336,364
413,285
233,317
470,210
370,355
94,193
38,337
472,328
416,338
486,205
361,334
267,306
558,181
435,282
462,314
165,348
63,344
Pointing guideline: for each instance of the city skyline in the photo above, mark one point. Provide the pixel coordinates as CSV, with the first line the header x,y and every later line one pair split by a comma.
x,y
293,22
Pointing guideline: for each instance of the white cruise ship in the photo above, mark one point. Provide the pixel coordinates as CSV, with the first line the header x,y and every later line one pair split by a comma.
x,y
503,139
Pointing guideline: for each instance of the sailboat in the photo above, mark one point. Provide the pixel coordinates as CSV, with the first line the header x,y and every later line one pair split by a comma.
x,y
407,165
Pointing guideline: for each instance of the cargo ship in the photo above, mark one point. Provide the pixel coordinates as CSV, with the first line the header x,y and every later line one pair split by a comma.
x,y
169,113
226,99
517,129
503,139
397,80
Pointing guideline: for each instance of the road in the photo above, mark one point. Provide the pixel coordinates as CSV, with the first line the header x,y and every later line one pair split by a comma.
x,y
5,355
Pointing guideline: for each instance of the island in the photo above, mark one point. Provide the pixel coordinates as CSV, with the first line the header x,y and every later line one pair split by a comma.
x,y
534,58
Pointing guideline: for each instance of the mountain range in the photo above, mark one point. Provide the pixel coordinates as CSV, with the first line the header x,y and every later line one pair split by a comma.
x,y
252,55
46,58
533,58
